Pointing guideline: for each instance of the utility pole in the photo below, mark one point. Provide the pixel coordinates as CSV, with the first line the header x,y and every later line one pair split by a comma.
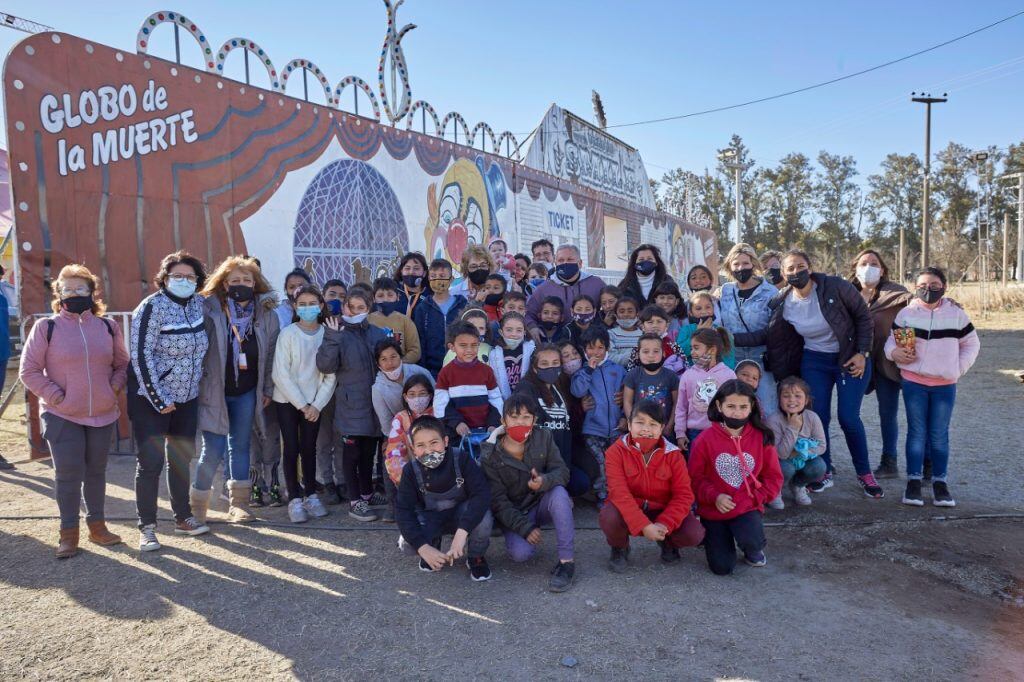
x,y
926,99
1019,268
727,156
1006,233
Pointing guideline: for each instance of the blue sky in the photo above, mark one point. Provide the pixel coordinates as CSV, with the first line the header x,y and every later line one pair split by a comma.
x,y
504,63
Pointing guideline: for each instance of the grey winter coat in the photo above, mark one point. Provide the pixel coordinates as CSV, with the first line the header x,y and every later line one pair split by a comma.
x,y
348,355
213,408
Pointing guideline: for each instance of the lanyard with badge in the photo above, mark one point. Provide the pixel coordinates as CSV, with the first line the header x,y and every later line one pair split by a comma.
x,y
243,361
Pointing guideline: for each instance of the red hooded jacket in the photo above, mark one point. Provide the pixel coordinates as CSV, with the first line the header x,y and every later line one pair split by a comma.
x,y
744,468
663,484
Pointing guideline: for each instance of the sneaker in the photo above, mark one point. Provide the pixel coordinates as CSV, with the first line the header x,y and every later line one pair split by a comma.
x,y
563,575
425,567
941,496
822,485
777,503
314,506
275,495
190,526
361,511
377,500
330,495
297,511
912,495
256,497
757,559
147,538
927,476
5,465
871,487
669,554
887,468
800,495
618,560
479,571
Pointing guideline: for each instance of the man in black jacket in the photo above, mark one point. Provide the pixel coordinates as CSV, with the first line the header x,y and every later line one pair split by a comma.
x,y
442,492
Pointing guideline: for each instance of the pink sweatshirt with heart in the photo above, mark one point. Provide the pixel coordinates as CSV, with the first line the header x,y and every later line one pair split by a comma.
x,y
743,467
696,389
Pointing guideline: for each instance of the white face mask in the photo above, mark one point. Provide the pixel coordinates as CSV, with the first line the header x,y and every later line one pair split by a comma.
x,y
869,275
513,343
419,403
393,374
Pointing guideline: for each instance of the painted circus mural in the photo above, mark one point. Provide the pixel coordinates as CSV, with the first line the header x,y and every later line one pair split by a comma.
x,y
118,159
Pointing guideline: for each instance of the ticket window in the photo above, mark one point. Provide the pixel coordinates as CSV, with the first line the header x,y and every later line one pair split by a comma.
x,y
615,253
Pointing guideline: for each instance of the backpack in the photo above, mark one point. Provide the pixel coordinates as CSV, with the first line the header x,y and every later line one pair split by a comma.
x,y
51,323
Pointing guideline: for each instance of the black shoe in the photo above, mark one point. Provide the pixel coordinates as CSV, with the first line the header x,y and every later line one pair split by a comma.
x,y
887,468
5,465
927,476
330,495
618,560
479,571
387,514
562,576
669,555
912,495
424,566
941,496
256,497
275,496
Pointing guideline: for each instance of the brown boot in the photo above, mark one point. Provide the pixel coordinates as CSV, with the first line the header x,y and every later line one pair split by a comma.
x,y
199,500
99,534
238,493
68,546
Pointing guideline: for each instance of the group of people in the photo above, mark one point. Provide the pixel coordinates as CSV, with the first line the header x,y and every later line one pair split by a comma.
x,y
492,402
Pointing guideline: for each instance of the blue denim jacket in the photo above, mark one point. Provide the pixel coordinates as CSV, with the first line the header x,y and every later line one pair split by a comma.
x,y
752,329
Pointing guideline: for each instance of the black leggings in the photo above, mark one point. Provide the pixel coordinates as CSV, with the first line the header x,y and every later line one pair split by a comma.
x,y
359,452
299,437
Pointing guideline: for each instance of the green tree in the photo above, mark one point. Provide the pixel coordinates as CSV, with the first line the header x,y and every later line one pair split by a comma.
x,y
837,200
791,190
894,204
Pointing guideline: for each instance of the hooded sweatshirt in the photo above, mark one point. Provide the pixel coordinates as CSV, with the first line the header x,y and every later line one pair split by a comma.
x,y
601,384
744,468
585,284
696,389
662,485
945,343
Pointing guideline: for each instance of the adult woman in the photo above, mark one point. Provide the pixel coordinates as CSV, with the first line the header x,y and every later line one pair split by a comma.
x,y
821,329
411,277
645,271
237,384
168,349
546,384
870,274
76,363
771,265
743,306
475,265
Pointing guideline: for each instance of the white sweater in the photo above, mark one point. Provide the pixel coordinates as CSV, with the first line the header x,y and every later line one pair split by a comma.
x,y
296,378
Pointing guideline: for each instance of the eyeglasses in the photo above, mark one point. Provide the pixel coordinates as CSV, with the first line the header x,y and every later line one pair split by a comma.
x,y
80,291
178,277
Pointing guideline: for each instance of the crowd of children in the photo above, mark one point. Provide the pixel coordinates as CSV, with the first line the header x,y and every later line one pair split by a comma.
x,y
455,413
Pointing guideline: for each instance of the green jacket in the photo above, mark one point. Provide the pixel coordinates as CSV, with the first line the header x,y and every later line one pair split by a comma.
x,y
511,498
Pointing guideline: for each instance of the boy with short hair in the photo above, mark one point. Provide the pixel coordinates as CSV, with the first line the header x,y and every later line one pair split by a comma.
x,y
435,312
601,379
466,396
387,314
551,329
443,491
511,302
495,287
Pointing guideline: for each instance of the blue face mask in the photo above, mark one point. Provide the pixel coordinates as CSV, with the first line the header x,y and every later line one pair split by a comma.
x,y
334,307
182,288
566,271
536,282
308,313
388,307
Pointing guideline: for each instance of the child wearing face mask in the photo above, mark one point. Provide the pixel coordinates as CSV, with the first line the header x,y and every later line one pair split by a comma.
x,y
700,383
934,343
651,380
584,315
551,327
626,331
511,355
654,320
490,295
388,314
702,316
417,401
734,470
437,310
799,440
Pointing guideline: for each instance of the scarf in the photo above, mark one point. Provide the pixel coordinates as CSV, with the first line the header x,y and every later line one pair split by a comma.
x,y
239,326
646,283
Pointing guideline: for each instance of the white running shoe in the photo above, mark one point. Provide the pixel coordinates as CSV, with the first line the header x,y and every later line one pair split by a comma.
x,y
314,506
801,496
777,503
297,511
147,539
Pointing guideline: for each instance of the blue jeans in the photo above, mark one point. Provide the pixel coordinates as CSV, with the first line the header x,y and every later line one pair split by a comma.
x,y
929,410
241,412
887,392
823,372
812,471
769,402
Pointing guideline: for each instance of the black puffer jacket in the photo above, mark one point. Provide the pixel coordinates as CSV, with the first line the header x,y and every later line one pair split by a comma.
x,y
846,312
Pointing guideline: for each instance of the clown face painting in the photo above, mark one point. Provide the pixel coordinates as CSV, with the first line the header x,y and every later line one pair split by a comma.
x,y
463,211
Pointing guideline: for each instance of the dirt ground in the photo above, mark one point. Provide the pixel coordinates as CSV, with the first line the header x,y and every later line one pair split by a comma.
x,y
854,588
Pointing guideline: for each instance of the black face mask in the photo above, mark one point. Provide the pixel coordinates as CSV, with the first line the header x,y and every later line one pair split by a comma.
x,y
492,299
774,275
699,320
388,307
645,267
412,281
547,326
735,422
743,275
696,289
76,305
930,295
478,277
240,293
799,279
549,375
653,366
